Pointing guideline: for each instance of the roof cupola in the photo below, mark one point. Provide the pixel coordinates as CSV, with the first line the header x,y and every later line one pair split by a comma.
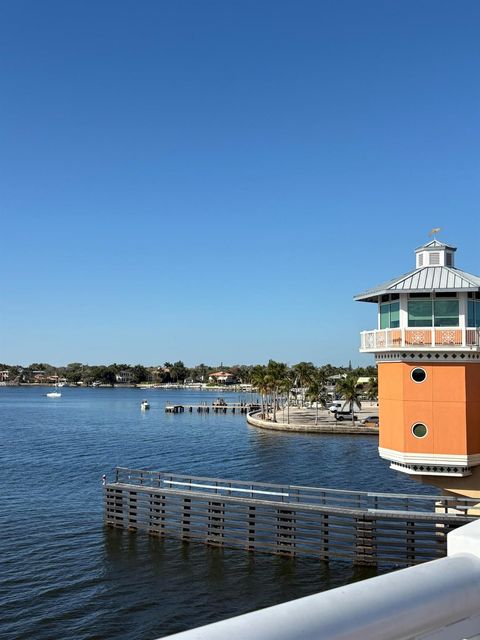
x,y
434,254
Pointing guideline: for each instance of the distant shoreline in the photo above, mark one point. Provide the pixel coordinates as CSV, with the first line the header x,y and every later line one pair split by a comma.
x,y
144,387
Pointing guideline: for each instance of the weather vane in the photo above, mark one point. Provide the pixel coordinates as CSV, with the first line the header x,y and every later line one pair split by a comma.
x,y
434,232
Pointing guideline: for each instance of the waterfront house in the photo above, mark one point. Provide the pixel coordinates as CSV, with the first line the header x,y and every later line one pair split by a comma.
x,y
124,377
222,377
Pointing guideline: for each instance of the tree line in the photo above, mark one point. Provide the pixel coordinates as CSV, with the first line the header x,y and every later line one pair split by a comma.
x,y
275,375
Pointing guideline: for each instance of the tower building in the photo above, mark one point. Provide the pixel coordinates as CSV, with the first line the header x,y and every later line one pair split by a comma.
x,y
427,348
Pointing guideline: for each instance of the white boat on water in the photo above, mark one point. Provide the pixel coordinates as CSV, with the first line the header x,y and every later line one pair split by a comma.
x,y
144,405
54,393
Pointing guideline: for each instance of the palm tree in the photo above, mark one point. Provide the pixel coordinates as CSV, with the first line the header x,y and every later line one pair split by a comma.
x,y
372,389
304,372
286,385
350,392
316,391
275,374
259,381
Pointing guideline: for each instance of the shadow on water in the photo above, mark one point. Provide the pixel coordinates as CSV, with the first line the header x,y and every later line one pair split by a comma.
x,y
171,586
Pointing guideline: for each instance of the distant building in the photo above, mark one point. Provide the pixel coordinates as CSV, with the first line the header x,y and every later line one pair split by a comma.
x,y
365,380
124,377
4,375
222,377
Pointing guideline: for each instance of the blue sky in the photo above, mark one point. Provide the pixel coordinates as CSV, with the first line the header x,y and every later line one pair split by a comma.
x,y
213,181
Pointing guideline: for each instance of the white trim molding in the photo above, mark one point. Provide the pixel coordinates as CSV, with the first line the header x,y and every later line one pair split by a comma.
x,y
429,458
421,470
427,357
430,464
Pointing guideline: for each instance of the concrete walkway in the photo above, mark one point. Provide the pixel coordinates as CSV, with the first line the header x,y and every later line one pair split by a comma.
x,y
303,419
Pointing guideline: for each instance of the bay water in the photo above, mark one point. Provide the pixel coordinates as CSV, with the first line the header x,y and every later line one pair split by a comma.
x,y
64,575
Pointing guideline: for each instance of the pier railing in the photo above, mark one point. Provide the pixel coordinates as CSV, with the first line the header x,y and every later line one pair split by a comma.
x,y
364,527
340,498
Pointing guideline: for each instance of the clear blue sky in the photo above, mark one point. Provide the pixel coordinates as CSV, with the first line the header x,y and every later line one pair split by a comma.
x,y
214,180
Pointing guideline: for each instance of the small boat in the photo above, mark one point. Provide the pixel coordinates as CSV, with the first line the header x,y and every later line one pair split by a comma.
x,y
144,405
54,394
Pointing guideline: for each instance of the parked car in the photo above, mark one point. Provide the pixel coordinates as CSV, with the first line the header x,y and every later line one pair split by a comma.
x,y
344,415
370,421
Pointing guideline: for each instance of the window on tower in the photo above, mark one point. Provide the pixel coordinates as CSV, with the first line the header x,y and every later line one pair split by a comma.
x,y
390,315
446,313
473,313
433,313
419,313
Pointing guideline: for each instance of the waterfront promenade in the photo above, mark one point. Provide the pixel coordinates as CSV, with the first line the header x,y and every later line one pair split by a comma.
x,y
302,419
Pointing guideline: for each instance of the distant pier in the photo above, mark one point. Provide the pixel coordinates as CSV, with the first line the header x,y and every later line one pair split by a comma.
x,y
214,407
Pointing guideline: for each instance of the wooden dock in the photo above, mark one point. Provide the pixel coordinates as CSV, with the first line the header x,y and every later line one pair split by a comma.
x,y
214,407
363,527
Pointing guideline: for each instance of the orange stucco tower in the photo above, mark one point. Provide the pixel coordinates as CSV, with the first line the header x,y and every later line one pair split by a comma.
x,y
427,348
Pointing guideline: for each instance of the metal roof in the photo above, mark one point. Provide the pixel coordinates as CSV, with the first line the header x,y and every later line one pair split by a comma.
x,y
435,244
425,279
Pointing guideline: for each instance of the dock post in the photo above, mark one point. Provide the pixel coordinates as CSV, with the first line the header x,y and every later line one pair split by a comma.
x,y
157,514
410,542
325,538
251,528
365,553
216,523
114,507
286,530
186,515
132,510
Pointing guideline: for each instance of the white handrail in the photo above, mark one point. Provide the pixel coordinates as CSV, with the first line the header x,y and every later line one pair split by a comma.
x,y
213,486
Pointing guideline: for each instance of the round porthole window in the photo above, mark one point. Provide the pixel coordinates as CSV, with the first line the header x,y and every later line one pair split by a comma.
x,y
418,374
419,430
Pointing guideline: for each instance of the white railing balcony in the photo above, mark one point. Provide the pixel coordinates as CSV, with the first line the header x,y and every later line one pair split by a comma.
x,y
420,338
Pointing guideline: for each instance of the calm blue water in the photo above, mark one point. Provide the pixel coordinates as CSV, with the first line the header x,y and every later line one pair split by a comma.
x,y
65,576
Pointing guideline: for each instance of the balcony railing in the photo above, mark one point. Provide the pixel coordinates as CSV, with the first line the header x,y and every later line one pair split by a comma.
x,y
445,338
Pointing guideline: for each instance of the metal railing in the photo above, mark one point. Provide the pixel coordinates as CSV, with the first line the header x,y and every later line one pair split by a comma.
x,y
418,338
366,501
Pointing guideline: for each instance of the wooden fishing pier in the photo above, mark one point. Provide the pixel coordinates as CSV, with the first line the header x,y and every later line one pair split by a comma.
x,y
214,407
363,527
